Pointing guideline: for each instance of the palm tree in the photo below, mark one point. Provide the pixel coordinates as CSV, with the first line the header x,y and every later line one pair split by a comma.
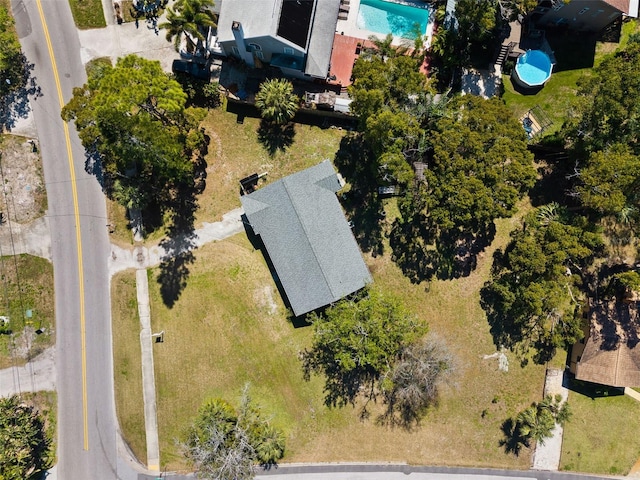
x,y
276,101
536,422
188,18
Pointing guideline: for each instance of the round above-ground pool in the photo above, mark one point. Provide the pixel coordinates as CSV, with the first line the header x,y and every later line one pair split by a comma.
x,y
532,69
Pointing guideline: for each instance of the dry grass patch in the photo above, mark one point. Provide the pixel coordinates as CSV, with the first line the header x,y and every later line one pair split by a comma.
x,y
24,198
230,326
127,362
602,435
465,428
27,300
235,152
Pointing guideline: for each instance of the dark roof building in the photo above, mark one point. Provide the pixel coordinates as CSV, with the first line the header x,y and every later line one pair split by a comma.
x,y
611,353
307,237
293,35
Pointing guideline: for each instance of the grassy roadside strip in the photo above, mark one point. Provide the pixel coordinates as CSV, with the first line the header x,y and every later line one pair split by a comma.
x,y
127,361
87,14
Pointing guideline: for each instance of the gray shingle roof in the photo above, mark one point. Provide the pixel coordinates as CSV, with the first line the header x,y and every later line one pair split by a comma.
x,y
260,18
321,42
307,238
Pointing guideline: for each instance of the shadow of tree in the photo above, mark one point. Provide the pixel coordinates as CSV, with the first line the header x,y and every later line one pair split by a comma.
x,y
341,387
178,247
405,418
423,253
180,240
513,442
362,204
275,137
15,104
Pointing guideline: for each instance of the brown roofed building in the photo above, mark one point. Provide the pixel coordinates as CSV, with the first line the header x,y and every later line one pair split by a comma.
x,y
611,353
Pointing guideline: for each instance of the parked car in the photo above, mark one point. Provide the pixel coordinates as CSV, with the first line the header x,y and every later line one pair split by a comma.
x,y
191,68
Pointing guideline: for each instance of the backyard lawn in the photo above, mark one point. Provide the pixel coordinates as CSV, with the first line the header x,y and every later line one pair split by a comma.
x,y
602,436
230,327
574,58
235,151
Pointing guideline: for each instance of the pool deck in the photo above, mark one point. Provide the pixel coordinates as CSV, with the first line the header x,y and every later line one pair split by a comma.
x,y
349,40
346,51
350,28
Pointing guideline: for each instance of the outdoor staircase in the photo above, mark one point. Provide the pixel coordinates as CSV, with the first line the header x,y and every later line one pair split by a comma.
x,y
505,50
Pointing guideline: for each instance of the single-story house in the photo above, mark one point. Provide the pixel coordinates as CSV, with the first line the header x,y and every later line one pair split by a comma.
x,y
307,238
610,353
294,35
584,15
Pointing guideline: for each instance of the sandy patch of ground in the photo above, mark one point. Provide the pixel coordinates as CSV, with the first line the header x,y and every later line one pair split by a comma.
x,y
23,198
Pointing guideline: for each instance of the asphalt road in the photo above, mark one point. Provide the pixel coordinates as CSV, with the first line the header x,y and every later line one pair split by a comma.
x,y
87,427
394,472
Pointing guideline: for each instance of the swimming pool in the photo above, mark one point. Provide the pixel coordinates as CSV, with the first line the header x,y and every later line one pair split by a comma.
x,y
533,68
387,17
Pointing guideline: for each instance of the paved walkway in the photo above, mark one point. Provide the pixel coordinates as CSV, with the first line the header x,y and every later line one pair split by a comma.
x,y
33,238
37,375
144,257
148,375
547,454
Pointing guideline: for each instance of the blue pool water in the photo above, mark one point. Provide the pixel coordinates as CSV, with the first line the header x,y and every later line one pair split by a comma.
x,y
388,17
534,68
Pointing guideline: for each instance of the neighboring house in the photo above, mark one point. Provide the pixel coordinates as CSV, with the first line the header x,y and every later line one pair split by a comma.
x,y
584,15
294,35
610,353
307,238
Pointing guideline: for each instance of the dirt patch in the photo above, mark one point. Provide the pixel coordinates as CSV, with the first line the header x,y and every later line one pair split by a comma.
x,y
23,198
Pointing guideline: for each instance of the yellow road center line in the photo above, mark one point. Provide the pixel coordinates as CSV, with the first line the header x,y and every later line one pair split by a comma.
x,y
76,212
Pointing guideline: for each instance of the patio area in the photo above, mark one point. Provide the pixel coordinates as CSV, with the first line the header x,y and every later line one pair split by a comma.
x,y
346,51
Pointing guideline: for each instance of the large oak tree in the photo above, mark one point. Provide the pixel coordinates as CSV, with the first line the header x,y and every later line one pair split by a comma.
x,y
140,138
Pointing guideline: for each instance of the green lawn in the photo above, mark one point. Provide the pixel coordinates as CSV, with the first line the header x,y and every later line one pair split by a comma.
x,y
27,299
87,14
127,363
555,99
602,436
236,152
574,59
230,327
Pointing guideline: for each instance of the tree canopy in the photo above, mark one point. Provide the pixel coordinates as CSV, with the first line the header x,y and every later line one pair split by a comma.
x,y
139,136
12,62
372,347
356,342
478,167
189,19
609,183
25,446
466,37
535,423
225,443
610,108
534,298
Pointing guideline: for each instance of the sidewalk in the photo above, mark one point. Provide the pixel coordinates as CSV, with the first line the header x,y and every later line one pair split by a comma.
x,y
148,375
144,257
547,454
141,258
